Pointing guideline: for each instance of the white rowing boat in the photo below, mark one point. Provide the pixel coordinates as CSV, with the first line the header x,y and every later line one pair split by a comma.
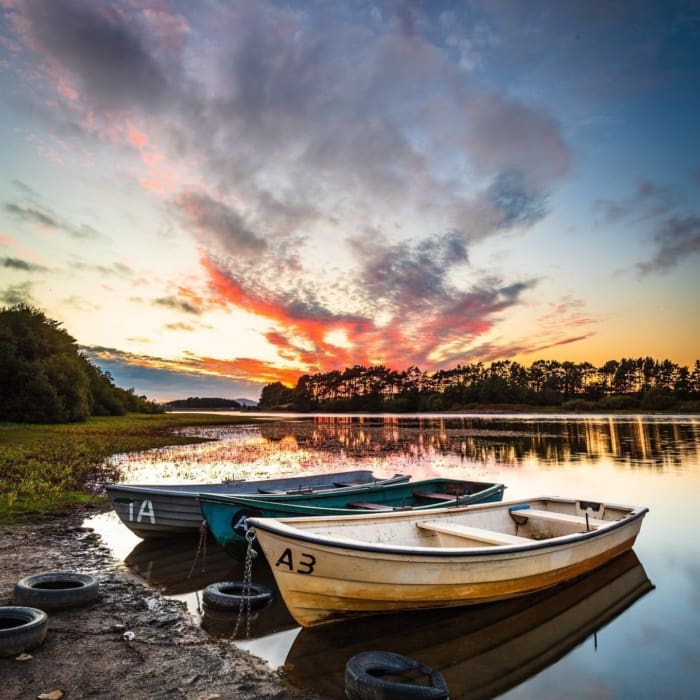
x,y
330,568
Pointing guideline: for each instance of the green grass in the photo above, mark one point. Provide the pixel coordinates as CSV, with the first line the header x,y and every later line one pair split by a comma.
x,y
46,469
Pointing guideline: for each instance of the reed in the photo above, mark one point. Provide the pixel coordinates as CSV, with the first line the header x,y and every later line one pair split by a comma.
x,y
45,469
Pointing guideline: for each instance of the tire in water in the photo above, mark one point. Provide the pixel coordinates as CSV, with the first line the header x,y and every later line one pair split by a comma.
x,y
364,678
229,595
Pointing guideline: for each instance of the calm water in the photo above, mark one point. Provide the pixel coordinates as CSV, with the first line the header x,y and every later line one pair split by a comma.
x,y
630,630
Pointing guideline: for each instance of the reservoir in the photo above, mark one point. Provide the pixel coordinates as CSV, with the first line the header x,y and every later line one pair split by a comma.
x,y
630,629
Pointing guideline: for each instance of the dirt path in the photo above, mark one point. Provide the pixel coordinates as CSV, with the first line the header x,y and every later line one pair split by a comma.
x,y
90,652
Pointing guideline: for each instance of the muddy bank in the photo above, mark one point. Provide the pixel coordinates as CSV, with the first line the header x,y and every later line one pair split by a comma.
x,y
131,643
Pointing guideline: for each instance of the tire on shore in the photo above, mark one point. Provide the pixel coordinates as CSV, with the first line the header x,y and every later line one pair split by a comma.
x,y
21,629
56,590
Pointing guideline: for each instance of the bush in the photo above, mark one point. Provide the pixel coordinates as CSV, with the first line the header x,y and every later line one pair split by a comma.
x,y
658,400
579,406
618,403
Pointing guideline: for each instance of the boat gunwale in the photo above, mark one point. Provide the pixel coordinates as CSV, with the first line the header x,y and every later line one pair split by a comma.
x,y
289,501
195,488
276,526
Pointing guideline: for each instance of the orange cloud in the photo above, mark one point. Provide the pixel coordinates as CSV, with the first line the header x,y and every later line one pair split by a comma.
x,y
135,137
436,337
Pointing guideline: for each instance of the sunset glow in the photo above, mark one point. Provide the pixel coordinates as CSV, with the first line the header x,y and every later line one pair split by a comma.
x,y
215,196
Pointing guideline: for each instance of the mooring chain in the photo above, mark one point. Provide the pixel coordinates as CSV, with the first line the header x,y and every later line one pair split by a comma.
x,y
245,603
201,548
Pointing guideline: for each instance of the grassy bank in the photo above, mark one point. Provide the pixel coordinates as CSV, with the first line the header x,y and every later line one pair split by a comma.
x,y
48,468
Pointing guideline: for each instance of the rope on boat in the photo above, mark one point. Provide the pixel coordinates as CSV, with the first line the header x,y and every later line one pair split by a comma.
x,y
201,548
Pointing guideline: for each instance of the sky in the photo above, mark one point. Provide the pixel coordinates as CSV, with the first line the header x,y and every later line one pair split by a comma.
x,y
212,196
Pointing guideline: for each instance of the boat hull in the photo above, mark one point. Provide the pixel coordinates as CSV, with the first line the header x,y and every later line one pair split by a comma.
x,y
173,510
324,579
226,516
482,651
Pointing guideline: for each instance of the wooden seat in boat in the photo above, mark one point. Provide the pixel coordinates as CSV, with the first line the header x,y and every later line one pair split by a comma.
x,y
554,517
367,506
435,496
472,533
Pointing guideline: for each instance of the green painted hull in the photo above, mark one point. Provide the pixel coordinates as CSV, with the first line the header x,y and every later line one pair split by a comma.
x,y
226,516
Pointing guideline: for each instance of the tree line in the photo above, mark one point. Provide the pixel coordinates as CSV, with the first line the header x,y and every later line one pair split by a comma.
x,y
44,378
196,402
629,383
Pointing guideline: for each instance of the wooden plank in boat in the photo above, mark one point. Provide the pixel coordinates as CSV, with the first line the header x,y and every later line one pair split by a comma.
x,y
565,518
367,506
435,496
472,533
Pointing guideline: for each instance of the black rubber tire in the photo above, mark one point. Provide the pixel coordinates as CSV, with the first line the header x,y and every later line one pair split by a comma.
x,y
55,590
363,678
228,595
21,629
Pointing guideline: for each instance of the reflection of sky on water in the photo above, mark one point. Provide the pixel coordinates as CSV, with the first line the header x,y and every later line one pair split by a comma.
x,y
651,650
273,648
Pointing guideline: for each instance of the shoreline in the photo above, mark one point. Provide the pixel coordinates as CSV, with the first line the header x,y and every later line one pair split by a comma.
x,y
87,652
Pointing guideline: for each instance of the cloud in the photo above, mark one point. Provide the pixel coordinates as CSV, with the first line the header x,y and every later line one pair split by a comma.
x,y
115,269
305,134
178,304
516,202
80,303
186,327
411,312
676,239
33,213
409,275
163,379
649,201
17,294
17,264
97,51
217,223
29,213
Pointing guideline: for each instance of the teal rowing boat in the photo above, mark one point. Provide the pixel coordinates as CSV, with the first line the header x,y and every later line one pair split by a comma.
x,y
226,515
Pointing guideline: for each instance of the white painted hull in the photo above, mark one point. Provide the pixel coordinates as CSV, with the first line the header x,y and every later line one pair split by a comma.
x,y
328,570
482,651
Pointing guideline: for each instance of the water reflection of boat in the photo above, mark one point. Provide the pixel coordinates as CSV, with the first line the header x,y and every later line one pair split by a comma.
x,y
182,566
177,567
482,651
268,620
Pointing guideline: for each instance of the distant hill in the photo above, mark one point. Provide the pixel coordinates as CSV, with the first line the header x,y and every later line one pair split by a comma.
x,y
205,402
247,403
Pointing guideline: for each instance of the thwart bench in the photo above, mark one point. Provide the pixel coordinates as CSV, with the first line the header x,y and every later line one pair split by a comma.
x,y
554,517
478,534
436,496
367,506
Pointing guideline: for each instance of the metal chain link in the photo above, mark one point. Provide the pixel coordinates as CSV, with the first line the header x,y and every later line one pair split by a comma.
x,y
201,549
247,585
